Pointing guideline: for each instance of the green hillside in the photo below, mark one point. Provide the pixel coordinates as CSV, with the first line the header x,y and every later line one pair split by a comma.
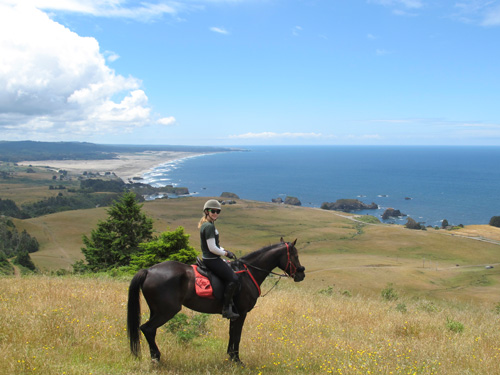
x,y
335,249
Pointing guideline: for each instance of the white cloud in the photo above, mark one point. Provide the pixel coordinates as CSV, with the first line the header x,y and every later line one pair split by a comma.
x,y
111,56
410,4
219,30
166,121
53,80
296,30
267,135
105,8
492,17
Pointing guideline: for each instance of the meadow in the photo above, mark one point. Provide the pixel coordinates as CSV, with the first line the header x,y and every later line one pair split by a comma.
x,y
377,299
76,325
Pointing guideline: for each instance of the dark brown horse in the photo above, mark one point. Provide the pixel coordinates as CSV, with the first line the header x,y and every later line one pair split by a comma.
x,y
170,285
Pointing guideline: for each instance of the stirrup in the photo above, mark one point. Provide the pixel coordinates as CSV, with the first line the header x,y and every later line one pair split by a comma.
x,y
228,313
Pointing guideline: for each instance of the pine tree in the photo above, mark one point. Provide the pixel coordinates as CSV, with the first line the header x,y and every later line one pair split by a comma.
x,y
113,242
24,259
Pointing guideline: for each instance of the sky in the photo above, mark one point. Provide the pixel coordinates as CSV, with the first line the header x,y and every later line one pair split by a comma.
x,y
251,72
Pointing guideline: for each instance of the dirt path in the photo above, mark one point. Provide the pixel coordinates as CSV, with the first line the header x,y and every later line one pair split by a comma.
x,y
17,273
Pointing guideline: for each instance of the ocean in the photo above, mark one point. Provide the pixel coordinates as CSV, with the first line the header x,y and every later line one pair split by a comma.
x,y
428,183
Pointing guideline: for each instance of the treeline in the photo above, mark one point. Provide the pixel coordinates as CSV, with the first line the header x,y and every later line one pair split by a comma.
x,y
15,245
92,193
62,203
31,150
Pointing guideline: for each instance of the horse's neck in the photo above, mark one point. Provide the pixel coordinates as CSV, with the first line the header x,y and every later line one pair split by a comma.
x,y
265,263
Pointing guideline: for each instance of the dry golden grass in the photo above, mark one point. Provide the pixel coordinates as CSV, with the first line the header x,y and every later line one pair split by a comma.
x,y
73,325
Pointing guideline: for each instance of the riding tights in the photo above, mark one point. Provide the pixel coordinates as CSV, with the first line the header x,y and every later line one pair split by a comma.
x,y
221,269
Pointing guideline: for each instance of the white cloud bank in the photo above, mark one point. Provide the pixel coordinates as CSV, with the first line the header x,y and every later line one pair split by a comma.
x,y
268,135
55,81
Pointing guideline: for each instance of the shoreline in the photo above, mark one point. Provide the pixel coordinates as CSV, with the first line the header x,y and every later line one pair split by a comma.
x,y
125,166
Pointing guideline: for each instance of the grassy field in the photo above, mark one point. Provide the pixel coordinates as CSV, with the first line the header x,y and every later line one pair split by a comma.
x,y
76,325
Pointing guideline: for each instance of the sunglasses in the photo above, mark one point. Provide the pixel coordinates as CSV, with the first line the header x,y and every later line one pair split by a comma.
x,y
214,211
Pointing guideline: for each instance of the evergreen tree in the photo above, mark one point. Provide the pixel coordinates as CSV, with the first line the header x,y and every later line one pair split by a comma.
x,y
24,259
114,241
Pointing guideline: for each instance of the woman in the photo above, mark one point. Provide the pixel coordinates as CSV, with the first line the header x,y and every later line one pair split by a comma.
x,y
212,252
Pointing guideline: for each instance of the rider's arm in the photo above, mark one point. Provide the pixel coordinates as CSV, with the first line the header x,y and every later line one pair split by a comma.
x,y
214,248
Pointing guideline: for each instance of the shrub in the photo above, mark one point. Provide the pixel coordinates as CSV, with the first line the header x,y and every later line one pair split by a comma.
x,y
454,326
172,245
389,294
186,329
497,308
327,291
401,307
495,221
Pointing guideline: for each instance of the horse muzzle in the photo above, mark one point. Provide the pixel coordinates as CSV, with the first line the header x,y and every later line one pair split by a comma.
x,y
299,274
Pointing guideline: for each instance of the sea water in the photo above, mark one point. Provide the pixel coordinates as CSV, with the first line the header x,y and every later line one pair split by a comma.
x,y
428,183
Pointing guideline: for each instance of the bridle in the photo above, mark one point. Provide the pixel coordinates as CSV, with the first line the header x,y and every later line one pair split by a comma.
x,y
289,265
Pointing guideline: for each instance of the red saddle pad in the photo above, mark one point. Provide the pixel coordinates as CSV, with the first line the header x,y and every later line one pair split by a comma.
x,y
202,284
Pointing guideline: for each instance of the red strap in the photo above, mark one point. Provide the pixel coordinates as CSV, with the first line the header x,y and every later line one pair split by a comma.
x,y
251,276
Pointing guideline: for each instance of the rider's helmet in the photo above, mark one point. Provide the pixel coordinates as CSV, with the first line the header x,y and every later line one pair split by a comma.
x,y
212,203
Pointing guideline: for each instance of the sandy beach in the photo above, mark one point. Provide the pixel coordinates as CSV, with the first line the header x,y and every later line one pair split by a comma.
x,y
126,166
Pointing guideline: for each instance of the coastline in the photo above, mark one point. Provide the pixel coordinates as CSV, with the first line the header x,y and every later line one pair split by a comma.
x,y
125,166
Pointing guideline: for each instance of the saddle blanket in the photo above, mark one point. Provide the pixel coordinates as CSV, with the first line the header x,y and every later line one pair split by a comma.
x,y
202,284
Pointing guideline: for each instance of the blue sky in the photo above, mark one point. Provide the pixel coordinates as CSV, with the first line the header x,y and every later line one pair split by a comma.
x,y
251,72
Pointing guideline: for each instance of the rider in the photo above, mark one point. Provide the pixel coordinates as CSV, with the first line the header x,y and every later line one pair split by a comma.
x,y
212,252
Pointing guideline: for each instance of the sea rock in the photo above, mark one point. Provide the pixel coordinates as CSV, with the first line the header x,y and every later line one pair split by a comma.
x,y
391,212
229,195
348,205
277,200
294,201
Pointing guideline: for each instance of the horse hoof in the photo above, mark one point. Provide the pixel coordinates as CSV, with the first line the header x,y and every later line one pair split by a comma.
x,y
155,361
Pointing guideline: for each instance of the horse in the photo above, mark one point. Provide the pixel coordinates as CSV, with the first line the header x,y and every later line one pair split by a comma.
x,y
170,285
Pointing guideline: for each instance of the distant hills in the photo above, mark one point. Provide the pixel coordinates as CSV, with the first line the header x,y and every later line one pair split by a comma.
x,y
15,151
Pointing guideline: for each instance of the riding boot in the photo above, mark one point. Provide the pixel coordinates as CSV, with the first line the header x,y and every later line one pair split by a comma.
x,y
227,308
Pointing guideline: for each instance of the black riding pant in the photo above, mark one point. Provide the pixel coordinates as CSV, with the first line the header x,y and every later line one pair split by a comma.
x,y
221,269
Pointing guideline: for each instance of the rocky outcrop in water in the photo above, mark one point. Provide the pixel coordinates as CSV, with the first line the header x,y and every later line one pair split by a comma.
x,y
294,201
391,212
229,195
348,205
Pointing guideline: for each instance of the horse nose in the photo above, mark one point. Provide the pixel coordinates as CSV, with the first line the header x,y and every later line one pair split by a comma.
x,y
301,269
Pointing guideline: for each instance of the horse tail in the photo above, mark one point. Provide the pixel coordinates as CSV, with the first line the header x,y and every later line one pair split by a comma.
x,y
134,311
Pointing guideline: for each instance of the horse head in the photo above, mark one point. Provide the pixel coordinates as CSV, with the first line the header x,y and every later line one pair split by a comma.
x,y
293,267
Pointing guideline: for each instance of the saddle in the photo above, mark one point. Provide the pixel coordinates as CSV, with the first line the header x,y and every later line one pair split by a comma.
x,y
208,284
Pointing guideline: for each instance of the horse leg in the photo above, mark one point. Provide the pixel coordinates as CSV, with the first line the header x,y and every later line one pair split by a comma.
x,y
235,328
149,330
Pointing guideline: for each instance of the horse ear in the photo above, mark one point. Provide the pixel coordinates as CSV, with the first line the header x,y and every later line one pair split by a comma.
x,y
282,240
294,242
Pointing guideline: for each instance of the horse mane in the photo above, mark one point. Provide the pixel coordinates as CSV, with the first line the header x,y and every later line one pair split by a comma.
x,y
258,253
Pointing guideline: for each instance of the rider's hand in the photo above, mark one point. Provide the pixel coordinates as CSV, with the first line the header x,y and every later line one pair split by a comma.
x,y
230,255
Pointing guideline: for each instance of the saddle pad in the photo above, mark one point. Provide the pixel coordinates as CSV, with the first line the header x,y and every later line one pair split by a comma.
x,y
202,284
